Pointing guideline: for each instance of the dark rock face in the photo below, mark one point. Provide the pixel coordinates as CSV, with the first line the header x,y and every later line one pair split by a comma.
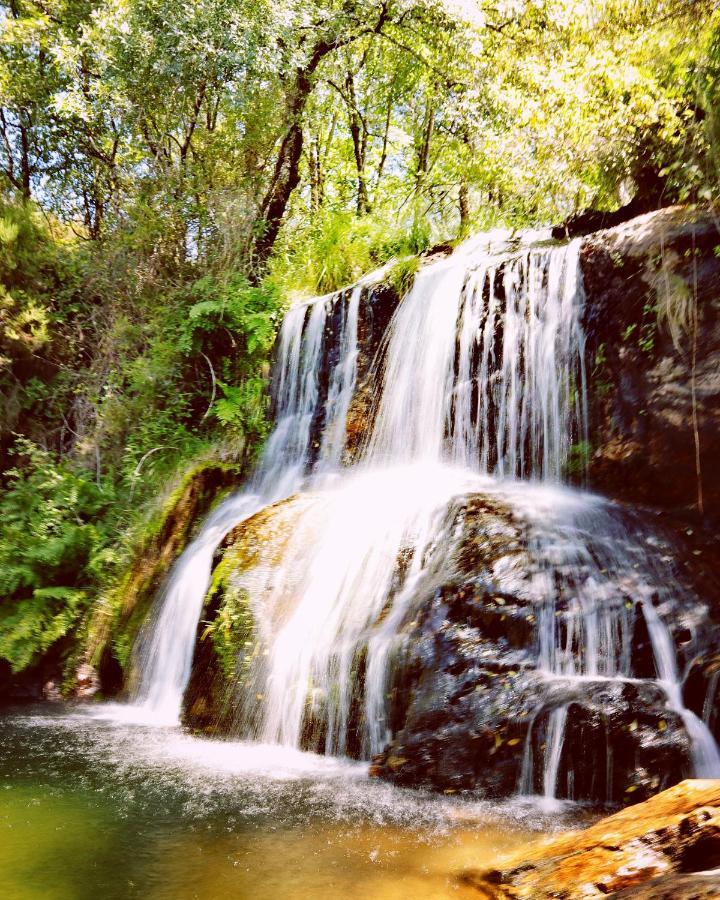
x,y
474,706
26,686
702,690
652,412
644,282
376,310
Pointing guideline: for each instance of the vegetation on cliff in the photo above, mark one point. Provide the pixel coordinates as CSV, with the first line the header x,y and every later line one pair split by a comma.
x,y
172,174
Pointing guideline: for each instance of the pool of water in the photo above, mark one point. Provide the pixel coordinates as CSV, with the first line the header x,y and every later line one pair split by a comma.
x,y
95,808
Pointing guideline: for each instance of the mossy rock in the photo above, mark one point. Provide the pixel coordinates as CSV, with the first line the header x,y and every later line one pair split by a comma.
x,y
228,639
157,544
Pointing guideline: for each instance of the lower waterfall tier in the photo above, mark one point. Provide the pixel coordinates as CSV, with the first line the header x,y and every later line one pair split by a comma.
x,y
475,634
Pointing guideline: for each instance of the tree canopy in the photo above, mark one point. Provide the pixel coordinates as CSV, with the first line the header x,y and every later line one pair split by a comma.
x,y
172,172
213,123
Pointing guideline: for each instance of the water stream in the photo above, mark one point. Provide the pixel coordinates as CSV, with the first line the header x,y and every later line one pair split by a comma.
x,y
164,652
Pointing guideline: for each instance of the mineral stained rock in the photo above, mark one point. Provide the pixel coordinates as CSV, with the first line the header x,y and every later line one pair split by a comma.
x,y
666,847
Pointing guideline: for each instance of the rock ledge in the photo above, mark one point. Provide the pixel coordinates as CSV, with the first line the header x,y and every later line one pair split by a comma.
x,y
667,847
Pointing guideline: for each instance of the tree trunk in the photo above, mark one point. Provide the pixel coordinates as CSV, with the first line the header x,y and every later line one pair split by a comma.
x,y
358,132
286,174
285,179
464,208
423,162
25,167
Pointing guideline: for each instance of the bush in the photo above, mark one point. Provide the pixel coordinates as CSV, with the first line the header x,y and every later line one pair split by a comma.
x,y
52,551
338,248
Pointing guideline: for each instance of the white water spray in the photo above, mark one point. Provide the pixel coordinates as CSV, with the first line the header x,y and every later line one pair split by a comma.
x,y
347,596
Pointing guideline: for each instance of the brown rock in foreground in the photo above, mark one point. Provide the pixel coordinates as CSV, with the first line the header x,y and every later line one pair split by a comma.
x,y
666,847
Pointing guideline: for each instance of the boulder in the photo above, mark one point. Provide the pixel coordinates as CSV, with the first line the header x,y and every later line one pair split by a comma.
x,y
668,846
87,682
474,710
227,640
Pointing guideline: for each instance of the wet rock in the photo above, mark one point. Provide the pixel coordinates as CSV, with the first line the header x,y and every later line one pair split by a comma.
x,y
647,850
702,690
641,281
87,682
376,309
475,709
698,886
226,641
34,683
51,691
117,621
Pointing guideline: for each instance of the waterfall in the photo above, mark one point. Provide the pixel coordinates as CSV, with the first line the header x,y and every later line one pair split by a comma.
x,y
487,371
342,384
439,404
336,577
164,652
553,749
478,387
594,576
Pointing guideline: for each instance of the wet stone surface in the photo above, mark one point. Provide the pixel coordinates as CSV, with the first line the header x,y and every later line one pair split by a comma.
x,y
667,847
479,702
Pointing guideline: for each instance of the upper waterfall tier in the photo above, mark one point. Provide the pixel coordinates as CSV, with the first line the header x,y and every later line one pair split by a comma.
x,y
484,364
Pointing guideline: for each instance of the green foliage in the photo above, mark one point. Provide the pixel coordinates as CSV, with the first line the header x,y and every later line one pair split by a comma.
x,y
338,248
243,407
51,551
578,459
403,273
232,303
31,267
232,631
141,143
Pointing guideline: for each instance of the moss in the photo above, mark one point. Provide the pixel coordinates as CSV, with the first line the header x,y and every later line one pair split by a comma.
x,y
258,542
227,639
232,633
155,546
578,459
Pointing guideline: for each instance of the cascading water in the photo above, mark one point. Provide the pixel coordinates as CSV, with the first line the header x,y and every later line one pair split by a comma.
x,y
395,501
485,370
440,404
479,380
594,578
165,649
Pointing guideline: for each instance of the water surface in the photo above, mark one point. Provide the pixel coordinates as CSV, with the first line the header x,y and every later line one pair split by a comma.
x,y
93,808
